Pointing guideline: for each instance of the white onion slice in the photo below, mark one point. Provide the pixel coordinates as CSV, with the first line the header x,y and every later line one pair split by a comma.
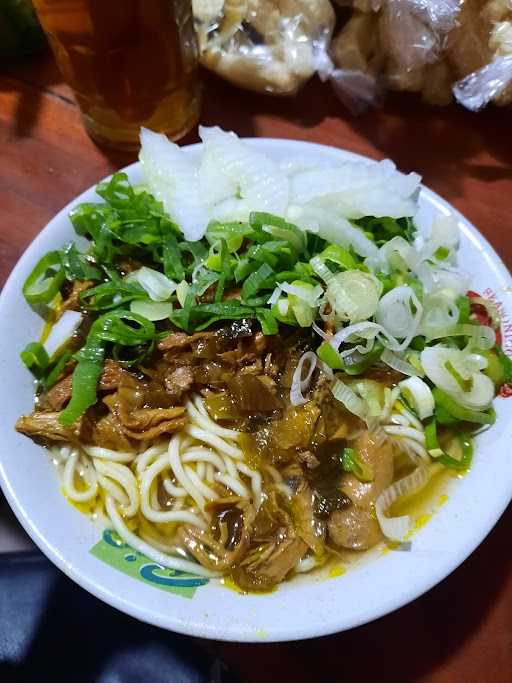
x,y
397,528
62,331
298,383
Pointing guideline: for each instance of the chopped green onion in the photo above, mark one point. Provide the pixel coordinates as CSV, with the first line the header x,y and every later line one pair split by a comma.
x,y
279,228
111,294
348,397
182,291
56,371
173,266
78,266
152,310
441,456
450,406
256,280
506,363
330,356
441,253
464,384
111,327
418,395
339,256
157,286
45,280
35,358
351,462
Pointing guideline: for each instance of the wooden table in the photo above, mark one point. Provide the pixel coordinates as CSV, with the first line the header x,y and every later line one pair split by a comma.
x,y
461,631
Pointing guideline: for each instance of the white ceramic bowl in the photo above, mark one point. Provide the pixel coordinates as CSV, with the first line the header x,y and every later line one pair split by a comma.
x,y
298,609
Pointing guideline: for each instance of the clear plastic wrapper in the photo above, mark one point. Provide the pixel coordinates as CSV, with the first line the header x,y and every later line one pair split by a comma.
x,y
439,48
270,46
493,82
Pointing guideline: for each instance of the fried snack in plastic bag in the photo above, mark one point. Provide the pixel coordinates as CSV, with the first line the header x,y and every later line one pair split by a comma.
x,y
426,46
398,45
491,79
270,46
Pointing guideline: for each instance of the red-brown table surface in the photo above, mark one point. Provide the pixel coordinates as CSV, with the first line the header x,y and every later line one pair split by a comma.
x,y
462,629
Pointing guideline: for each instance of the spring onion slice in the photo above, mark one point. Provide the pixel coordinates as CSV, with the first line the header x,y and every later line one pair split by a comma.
x,y
348,397
354,295
45,280
300,384
62,331
111,327
453,371
351,462
152,310
394,361
156,284
418,395
35,358
182,290
434,449
397,528
449,406
365,330
482,336
399,312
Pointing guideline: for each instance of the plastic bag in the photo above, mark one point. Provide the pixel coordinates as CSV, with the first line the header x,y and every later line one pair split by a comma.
x,y
493,81
270,46
439,48
394,44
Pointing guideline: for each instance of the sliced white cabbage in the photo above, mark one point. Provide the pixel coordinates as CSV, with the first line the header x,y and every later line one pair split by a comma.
x,y
215,187
231,209
355,189
62,331
172,177
259,181
457,373
333,228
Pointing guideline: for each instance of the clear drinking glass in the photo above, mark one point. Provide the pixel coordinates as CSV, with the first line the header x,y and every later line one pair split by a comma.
x,y
131,63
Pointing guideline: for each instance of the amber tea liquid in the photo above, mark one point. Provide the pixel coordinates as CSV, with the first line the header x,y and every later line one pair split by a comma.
x,y
131,63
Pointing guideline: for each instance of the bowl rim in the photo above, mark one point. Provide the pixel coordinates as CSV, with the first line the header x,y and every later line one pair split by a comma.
x,y
278,632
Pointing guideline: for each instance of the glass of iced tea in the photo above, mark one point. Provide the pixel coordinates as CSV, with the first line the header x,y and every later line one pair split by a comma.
x,y
131,63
